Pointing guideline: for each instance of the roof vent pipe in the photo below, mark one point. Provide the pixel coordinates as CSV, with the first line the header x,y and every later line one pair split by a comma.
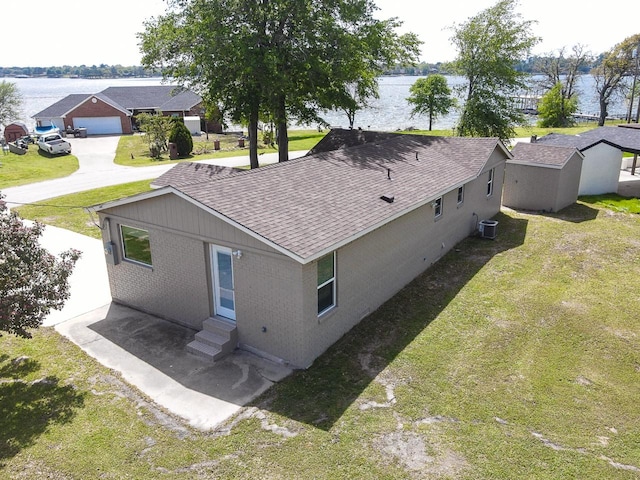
x,y
389,173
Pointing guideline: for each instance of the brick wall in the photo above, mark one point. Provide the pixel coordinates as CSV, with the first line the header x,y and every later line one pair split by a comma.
x,y
98,109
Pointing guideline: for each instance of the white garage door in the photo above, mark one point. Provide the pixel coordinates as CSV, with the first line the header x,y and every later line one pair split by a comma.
x,y
99,125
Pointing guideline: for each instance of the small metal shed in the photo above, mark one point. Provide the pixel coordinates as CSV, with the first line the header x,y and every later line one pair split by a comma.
x,y
193,124
15,130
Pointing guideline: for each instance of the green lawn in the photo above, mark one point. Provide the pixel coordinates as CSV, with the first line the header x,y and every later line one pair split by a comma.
x,y
524,132
613,201
33,167
509,359
68,212
133,150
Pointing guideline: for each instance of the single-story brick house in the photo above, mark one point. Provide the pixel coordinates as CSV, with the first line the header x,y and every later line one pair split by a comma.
x,y
602,148
542,177
283,260
111,111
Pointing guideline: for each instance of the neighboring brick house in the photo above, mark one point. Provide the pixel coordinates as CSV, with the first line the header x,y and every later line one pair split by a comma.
x,y
112,111
285,259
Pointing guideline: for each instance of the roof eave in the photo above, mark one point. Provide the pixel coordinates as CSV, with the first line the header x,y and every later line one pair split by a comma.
x,y
172,190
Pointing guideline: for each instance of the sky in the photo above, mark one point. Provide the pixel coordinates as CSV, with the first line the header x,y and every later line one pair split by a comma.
x,y
95,32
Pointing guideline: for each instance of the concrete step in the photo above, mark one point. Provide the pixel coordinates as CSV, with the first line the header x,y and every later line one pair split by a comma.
x,y
217,338
211,338
222,327
206,351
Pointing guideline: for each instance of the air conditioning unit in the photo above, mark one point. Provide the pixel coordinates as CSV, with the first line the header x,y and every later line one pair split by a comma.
x,y
488,229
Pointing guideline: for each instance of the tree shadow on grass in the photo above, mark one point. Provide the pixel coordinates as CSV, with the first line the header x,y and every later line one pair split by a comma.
x,y
320,395
574,213
27,408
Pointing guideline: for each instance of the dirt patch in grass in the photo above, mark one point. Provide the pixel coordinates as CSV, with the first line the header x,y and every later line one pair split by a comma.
x,y
418,456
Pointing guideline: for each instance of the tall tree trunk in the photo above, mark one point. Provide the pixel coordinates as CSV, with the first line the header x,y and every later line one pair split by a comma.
x,y
603,112
283,137
351,115
283,142
253,138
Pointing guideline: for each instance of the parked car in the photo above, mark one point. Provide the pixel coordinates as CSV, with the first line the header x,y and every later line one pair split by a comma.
x,y
54,144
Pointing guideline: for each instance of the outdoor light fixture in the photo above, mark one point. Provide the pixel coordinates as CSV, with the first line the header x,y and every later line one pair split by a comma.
x,y
237,254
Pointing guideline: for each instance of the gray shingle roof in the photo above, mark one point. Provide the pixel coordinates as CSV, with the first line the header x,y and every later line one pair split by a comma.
x,y
313,204
63,106
189,173
626,139
166,98
635,126
562,140
541,154
339,138
154,97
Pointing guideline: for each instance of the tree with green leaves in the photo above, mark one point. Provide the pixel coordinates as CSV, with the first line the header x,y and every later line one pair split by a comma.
x,y
556,111
32,280
156,128
564,70
431,96
489,44
611,73
10,102
274,59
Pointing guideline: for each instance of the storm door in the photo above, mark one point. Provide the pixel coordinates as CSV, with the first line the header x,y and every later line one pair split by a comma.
x,y
222,276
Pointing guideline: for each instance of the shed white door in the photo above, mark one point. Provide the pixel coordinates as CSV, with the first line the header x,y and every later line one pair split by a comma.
x,y
99,125
222,276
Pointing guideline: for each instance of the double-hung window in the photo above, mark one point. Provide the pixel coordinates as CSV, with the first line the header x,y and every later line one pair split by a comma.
x,y
492,174
437,207
326,283
135,244
460,195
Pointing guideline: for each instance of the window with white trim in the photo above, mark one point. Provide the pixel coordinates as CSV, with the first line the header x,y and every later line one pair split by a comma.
x,y
326,283
492,173
136,245
460,195
437,207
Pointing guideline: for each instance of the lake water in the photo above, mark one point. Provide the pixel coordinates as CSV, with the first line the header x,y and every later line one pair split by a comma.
x,y
388,113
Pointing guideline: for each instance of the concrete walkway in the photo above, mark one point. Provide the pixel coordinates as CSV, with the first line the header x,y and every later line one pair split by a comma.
x,y
629,185
151,354
148,352
96,169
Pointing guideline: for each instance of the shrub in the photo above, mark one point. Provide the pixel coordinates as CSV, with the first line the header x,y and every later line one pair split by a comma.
x,y
181,136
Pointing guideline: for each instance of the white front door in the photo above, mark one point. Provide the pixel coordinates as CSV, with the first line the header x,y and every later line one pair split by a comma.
x,y
222,275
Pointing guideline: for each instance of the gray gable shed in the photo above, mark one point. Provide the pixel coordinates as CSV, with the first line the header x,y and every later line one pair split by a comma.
x,y
602,148
542,177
